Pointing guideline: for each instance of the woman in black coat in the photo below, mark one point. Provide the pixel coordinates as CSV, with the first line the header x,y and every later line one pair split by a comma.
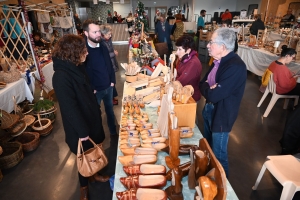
x,y
79,109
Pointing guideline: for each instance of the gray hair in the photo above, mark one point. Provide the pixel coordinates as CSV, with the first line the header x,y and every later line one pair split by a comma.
x,y
227,37
104,29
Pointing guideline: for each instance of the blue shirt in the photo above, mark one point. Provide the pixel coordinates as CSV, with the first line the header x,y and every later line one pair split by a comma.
x,y
200,22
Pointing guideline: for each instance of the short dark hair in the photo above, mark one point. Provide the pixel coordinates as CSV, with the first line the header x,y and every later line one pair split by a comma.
x,y
86,23
186,42
287,51
70,48
202,11
257,16
37,34
226,10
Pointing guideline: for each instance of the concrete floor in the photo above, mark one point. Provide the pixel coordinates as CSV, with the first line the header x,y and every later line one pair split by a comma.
x,y
50,172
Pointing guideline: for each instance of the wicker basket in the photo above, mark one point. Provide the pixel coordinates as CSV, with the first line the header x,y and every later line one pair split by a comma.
x,y
29,119
46,131
12,155
8,120
41,124
29,140
18,128
2,85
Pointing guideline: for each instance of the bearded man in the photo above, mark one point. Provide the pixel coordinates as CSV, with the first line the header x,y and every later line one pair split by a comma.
x,y
100,70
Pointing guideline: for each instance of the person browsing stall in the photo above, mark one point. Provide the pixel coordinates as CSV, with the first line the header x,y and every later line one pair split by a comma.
x,y
223,88
189,67
163,31
79,110
106,35
100,70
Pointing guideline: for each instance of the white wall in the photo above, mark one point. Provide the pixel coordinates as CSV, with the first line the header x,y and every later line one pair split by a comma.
x,y
240,5
154,3
122,9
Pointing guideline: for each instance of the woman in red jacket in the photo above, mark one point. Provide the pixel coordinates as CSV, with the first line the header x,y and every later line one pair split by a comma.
x,y
189,67
285,80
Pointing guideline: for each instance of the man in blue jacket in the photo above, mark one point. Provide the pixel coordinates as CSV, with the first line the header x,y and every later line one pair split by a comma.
x,y
100,70
223,87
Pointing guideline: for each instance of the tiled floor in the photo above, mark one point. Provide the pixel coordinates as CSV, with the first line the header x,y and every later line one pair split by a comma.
x,y
49,173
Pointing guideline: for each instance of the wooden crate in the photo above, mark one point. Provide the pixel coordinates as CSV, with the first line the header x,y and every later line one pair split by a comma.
x,y
220,176
205,36
186,113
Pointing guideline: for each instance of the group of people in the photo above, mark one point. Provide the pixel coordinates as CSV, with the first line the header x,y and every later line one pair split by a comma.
x,y
84,77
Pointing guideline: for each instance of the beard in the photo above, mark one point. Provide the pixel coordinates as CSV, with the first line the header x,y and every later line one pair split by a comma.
x,y
95,40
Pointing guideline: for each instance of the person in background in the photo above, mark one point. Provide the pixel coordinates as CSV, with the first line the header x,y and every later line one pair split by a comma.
x,y
200,23
109,19
157,17
100,71
170,16
37,40
78,24
223,88
227,24
285,80
115,17
106,35
257,25
183,18
129,20
177,30
288,17
147,19
189,67
178,16
163,31
79,110
226,15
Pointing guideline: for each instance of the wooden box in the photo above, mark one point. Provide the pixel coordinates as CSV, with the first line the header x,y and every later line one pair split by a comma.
x,y
186,113
220,176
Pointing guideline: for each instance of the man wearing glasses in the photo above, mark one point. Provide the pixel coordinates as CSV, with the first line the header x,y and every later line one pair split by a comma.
x,y
223,87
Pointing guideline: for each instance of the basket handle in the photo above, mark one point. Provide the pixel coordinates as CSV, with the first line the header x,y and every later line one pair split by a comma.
x,y
39,119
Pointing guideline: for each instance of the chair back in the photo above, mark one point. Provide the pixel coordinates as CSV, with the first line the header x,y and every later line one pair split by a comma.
x,y
272,84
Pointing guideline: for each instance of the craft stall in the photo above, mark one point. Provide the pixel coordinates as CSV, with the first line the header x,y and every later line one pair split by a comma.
x,y
158,140
22,120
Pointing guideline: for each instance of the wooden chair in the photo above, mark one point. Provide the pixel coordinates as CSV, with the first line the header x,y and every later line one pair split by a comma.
x,y
271,88
285,168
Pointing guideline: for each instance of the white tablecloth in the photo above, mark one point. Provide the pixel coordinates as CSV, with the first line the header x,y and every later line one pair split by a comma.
x,y
19,89
31,84
48,74
258,60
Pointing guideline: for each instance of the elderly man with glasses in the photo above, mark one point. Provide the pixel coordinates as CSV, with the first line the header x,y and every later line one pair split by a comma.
x,y
223,87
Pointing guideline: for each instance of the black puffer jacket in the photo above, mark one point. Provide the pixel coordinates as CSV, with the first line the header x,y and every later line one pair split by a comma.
x,y
80,112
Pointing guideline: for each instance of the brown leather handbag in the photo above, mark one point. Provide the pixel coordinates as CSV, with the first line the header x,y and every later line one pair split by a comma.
x,y
90,161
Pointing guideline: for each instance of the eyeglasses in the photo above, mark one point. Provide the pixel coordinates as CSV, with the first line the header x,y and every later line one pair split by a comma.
x,y
210,42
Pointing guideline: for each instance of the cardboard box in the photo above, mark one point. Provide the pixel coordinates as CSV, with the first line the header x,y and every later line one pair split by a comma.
x,y
186,113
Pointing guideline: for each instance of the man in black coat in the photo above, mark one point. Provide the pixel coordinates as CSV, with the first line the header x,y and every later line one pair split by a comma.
x,y
257,25
100,70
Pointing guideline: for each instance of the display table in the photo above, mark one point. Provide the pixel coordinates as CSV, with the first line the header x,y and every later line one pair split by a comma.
x,y
258,60
19,89
188,194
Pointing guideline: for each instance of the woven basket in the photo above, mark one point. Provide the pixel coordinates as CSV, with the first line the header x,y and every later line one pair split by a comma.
x,y
41,124
12,155
18,128
2,85
46,131
29,140
8,120
29,119
27,108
